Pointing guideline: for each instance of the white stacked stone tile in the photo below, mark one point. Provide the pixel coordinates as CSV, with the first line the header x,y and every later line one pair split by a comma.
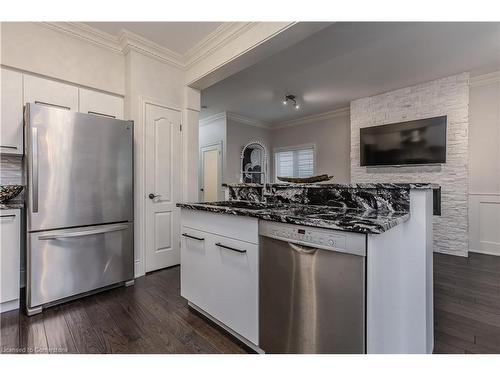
x,y
447,96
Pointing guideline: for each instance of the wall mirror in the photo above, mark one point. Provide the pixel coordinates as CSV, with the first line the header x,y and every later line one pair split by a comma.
x,y
254,163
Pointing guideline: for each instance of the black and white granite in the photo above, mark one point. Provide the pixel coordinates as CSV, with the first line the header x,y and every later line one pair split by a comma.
x,y
327,217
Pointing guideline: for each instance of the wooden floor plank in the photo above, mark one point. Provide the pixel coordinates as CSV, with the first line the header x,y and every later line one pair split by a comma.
x,y
59,338
9,332
32,338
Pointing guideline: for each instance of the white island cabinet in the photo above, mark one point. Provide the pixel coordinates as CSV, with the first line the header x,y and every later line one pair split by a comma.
x,y
10,227
219,270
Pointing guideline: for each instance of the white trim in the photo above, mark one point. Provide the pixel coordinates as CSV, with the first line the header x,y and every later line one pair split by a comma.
x,y
485,79
246,120
496,253
217,39
489,193
312,118
212,118
128,40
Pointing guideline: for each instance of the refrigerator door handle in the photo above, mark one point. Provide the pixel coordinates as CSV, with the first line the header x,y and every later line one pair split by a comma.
x,y
80,233
34,173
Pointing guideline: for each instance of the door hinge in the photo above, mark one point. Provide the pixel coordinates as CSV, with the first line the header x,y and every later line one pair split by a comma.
x,y
180,127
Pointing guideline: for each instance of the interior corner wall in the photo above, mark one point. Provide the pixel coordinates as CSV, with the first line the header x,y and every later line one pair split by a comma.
x,y
484,157
447,96
331,137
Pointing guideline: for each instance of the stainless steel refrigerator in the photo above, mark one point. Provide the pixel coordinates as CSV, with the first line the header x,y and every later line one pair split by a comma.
x,y
80,217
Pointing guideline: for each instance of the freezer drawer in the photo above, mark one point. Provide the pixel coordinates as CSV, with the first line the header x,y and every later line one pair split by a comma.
x,y
63,263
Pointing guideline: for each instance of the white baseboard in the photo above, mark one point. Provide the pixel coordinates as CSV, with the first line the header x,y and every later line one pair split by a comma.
x,y
9,305
464,254
496,253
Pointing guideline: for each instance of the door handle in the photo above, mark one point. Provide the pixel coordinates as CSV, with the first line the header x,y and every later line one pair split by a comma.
x,y
193,237
153,196
34,169
230,248
81,233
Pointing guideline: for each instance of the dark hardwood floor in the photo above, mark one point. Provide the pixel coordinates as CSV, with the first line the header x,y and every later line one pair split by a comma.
x,y
466,304
152,317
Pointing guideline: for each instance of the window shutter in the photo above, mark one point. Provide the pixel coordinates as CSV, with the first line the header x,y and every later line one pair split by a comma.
x,y
295,163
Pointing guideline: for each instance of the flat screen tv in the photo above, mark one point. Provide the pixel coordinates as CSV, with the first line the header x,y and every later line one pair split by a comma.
x,y
404,143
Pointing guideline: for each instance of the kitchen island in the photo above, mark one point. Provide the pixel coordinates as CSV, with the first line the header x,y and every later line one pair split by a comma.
x,y
389,225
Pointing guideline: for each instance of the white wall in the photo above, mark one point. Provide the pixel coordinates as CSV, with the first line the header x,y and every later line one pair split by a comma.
x,y
484,163
40,49
331,137
447,96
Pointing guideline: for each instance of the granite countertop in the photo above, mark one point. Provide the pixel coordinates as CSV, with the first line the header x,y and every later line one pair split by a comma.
x,y
345,219
11,205
420,186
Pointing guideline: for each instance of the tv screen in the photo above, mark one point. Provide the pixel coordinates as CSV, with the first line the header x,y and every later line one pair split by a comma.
x,y
411,142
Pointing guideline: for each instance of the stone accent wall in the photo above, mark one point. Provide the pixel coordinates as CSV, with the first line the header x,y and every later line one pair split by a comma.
x,y
447,96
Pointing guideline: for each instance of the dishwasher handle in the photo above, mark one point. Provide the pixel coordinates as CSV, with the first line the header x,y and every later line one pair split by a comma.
x,y
302,249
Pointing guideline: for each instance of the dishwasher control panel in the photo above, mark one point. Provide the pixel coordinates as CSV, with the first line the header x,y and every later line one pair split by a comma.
x,y
315,237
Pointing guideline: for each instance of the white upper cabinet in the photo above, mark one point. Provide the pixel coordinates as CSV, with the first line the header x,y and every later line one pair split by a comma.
x,y
51,93
101,104
12,112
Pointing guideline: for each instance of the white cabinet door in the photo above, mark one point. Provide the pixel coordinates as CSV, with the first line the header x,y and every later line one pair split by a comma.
x,y
51,93
101,104
196,268
12,112
10,226
235,280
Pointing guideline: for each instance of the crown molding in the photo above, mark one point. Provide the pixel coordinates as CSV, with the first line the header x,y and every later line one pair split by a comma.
x,y
212,118
485,79
128,40
246,120
217,39
83,31
312,118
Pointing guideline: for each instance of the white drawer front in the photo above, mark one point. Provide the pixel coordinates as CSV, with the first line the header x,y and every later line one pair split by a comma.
x,y
240,227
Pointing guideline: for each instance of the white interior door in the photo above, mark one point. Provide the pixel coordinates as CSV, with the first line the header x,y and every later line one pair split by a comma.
x,y
211,173
163,187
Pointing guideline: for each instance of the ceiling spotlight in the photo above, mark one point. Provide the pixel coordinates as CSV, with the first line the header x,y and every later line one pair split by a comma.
x,y
291,98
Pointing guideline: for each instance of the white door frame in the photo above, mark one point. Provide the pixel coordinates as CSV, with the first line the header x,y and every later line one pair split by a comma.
x,y
140,194
213,145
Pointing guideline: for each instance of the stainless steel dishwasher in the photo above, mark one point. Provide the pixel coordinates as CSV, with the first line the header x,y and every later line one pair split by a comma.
x,y
311,290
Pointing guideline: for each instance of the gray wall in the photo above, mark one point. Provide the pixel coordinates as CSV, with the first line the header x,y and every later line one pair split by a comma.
x,y
331,137
447,96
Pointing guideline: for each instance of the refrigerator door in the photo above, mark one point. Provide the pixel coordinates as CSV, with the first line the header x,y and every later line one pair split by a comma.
x,y
80,168
67,262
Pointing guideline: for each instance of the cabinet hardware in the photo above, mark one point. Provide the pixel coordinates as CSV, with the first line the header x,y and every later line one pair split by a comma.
x,y
52,105
230,248
101,114
193,237
6,216
11,147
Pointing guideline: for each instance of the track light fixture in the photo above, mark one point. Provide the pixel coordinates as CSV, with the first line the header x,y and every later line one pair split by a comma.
x,y
293,99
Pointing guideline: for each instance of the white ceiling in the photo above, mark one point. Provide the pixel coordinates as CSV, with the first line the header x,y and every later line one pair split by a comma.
x,y
346,61
176,36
